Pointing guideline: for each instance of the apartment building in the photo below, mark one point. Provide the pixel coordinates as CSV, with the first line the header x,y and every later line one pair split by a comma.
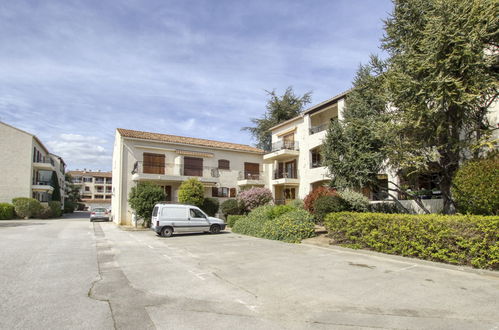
x,y
224,168
27,167
293,165
96,187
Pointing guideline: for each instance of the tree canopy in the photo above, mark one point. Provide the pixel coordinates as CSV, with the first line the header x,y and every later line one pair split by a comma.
x,y
279,109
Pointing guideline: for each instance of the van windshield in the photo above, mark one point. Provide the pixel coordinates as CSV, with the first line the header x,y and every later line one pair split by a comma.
x,y
155,211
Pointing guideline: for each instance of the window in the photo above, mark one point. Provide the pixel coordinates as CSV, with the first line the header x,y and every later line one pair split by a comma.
x,y
252,171
153,163
196,214
87,188
289,141
232,192
316,160
155,211
220,192
87,179
223,164
99,196
193,166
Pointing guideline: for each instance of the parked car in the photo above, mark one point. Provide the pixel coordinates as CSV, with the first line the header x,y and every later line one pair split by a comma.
x,y
168,219
100,213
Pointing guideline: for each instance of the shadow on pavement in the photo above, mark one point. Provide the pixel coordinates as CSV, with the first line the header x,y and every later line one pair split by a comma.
x,y
19,224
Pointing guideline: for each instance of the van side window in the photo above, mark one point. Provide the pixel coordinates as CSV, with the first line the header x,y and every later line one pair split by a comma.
x,y
155,211
196,214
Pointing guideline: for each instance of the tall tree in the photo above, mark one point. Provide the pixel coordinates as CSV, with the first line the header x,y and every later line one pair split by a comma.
x,y
279,109
442,79
56,194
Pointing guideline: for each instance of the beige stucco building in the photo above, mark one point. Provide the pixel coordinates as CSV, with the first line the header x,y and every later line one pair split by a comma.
x,y
95,187
27,167
168,160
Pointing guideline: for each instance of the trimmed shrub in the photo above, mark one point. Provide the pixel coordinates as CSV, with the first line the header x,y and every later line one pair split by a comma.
x,y
252,198
476,187
231,207
55,206
69,206
455,239
191,192
327,204
296,203
210,206
26,207
291,227
232,219
6,211
45,212
252,224
142,199
308,202
355,202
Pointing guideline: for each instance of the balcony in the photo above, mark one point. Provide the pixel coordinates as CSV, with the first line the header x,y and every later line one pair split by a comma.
x,y
282,149
285,177
42,185
319,128
44,164
248,178
173,172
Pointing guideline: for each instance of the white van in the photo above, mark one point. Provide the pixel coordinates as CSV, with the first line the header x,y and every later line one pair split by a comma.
x,y
178,218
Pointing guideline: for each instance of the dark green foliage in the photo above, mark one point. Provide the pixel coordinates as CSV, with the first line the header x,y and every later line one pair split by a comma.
x,y
210,206
279,109
26,207
6,211
45,212
191,192
55,206
327,204
231,219
476,187
355,201
273,222
56,194
143,197
72,190
385,207
455,239
231,207
69,206
308,202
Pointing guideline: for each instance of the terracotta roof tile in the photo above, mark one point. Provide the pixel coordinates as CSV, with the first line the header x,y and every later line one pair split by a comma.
x,y
187,140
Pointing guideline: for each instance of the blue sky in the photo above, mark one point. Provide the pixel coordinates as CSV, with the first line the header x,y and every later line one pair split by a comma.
x,y
73,71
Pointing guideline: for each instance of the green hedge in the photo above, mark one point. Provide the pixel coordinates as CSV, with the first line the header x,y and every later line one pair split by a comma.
x,y
283,222
6,211
26,207
55,206
455,239
231,219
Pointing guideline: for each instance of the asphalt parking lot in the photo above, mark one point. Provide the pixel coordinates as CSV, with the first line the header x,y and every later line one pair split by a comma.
x,y
75,274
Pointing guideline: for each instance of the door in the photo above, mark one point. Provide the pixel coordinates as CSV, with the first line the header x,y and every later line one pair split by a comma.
x,y
168,193
193,166
198,221
289,141
153,163
290,169
252,171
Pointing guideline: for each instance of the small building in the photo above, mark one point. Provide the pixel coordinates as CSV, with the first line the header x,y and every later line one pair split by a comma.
x,y
224,168
27,167
95,187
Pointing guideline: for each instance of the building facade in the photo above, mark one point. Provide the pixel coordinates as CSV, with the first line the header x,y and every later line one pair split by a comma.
x,y
27,167
96,187
168,160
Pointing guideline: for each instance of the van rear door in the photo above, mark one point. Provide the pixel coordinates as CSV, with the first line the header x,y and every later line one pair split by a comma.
x,y
154,217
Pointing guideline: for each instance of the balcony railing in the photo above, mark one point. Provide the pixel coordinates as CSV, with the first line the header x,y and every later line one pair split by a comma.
x,y
42,183
175,170
285,175
318,128
44,161
248,175
284,145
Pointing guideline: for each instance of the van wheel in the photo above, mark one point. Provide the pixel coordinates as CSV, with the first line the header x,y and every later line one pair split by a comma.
x,y
167,231
215,229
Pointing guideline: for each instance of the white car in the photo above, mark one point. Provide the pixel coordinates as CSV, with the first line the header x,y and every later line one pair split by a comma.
x,y
178,218
99,213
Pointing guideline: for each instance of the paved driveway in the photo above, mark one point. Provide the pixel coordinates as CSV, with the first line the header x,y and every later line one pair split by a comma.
x,y
230,281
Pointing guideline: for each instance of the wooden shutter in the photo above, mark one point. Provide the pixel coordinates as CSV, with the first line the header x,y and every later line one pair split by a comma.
x,y
223,164
153,163
232,192
251,171
193,166
214,191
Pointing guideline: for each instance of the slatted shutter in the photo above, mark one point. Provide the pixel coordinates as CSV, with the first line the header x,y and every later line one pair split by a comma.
x,y
193,166
154,163
232,192
224,164
251,171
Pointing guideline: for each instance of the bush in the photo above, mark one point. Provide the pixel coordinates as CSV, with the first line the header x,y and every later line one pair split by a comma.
x,y
231,207
143,197
296,203
191,192
45,212
327,204
26,207
55,206
210,206
69,206
232,219
290,227
476,187
252,224
308,202
252,198
6,211
354,201
455,239
385,207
